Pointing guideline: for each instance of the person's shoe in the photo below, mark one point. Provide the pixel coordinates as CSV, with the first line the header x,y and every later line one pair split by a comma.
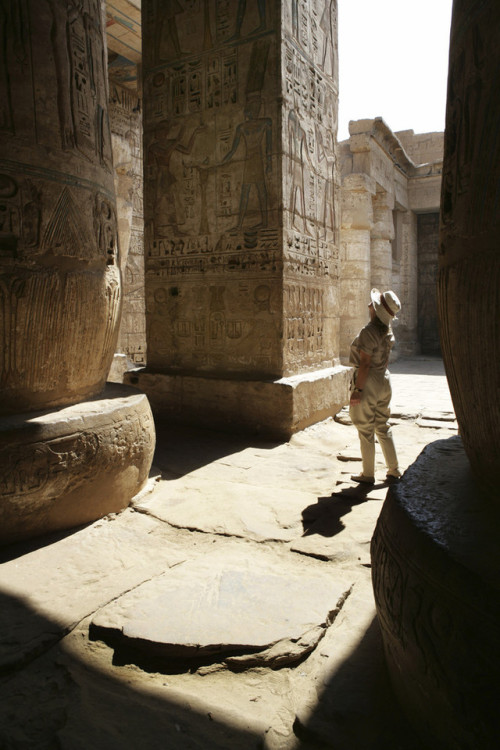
x,y
363,479
393,474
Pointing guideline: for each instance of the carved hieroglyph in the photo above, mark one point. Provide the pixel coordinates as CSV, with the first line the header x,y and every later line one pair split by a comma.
x,y
241,209
59,277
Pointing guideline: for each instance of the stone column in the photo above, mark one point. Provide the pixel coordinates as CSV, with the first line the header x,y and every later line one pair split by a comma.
x,y
469,261
435,551
60,286
355,269
241,213
381,236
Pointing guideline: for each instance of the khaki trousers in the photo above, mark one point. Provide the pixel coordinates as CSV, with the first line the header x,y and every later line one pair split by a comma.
x,y
371,417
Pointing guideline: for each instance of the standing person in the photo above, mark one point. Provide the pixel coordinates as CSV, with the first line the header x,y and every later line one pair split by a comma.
x,y
370,399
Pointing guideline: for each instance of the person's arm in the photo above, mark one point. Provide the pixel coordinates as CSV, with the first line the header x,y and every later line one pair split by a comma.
x,y
365,362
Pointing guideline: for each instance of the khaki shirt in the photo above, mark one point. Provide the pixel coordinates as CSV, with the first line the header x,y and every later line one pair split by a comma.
x,y
375,341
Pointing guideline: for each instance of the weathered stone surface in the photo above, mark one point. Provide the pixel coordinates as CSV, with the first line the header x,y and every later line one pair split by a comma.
x,y
216,607
48,590
63,468
241,509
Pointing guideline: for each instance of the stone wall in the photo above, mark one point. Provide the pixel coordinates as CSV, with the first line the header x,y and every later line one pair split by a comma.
x,y
428,240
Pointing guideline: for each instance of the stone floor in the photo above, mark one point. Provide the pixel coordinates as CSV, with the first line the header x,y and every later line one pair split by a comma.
x,y
229,607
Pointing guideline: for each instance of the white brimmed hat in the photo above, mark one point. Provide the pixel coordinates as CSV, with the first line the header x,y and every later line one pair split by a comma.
x,y
386,305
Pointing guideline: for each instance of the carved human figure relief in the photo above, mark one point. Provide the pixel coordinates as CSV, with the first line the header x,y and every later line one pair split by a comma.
x,y
168,138
326,153
256,134
240,17
328,26
298,154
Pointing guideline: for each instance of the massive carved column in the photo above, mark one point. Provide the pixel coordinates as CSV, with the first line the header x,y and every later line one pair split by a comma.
x,y
60,285
469,262
241,212
435,552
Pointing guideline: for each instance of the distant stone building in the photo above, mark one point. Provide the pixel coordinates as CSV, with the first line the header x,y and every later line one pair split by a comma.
x,y
391,185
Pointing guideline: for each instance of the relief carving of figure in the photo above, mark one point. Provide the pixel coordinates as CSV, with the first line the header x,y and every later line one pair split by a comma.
x,y
329,43
240,15
169,47
256,133
167,208
298,150
326,152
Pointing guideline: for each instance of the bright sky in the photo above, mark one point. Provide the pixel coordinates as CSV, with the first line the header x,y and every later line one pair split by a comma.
x,y
393,62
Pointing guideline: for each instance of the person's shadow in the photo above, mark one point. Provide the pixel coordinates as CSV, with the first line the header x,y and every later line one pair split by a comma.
x,y
324,517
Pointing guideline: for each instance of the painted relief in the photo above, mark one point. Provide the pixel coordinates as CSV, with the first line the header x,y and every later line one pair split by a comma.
x,y
221,212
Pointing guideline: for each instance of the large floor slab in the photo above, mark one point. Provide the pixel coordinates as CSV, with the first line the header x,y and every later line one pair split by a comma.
x,y
223,605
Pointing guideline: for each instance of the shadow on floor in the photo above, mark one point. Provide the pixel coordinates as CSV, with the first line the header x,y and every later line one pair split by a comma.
x,y
357,709
323,518
182,449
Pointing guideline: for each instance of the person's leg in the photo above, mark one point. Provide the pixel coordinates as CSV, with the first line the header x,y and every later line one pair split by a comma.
x,y
362,418
383,430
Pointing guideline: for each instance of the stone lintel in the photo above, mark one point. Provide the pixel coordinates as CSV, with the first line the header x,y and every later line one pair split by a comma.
x,y
363,132
275,409
64,468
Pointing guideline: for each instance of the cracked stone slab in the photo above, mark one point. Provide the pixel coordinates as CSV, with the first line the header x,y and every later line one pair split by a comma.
x,y
243,510
221,606
46,591
437,424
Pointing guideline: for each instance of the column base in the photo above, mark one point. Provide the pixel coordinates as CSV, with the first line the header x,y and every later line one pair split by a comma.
x,y
436,576
63,468
274,409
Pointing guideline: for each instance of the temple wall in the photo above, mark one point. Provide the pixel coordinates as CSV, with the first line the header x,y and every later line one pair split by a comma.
x,y
402,190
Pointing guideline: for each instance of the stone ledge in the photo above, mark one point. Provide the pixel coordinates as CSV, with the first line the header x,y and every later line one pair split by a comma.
x,y
64,468
275,409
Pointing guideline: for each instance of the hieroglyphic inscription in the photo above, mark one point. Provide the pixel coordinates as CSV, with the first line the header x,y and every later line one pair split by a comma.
x,y
220,208
311,86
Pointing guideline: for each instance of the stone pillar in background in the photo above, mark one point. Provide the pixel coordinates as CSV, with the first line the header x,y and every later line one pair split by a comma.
x,y
241,213
126,135
60,288
435,551
381,236
355,269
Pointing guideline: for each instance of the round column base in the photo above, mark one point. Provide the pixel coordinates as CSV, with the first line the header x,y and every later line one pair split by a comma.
x,y
64,468
436,577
